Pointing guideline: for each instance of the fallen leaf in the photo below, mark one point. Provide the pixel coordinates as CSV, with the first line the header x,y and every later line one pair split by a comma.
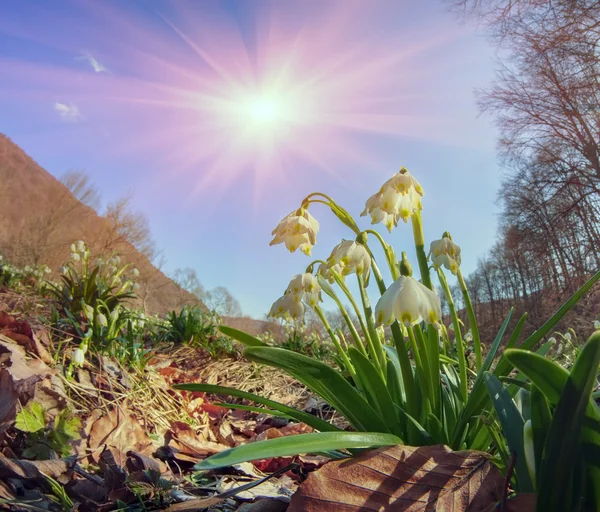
x,y
59,469
119,430
8,400
184,440
403,479
26,372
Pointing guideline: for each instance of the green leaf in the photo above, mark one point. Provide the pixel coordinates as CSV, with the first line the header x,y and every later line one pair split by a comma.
x,y
562,452
376,390
294,445
512,426
304,417
260,410
547,375
242,337
32,418
540,423
325,382
67,424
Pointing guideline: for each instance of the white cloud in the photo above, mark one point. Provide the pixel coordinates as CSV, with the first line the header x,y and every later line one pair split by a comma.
x,y
68,112
97,66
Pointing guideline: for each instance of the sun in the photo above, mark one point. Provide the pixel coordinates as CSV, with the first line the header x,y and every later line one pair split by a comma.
x,y
265,110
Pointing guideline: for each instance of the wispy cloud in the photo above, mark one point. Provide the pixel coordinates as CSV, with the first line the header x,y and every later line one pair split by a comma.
x,y
68,112
97,66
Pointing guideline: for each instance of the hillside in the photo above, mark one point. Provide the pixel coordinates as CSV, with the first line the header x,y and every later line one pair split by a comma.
x,y
40,218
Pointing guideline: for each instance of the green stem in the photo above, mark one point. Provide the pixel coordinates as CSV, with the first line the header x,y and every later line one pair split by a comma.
x,y
341,283
462,365
472,318
406,368
335,341
417,224
389,253
375,346
426,392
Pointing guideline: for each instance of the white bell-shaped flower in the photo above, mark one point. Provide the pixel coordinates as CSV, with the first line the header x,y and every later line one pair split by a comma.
x,y
287,306
306,287
101,320
445,252
78,357
349,257
297,230
409,302
398,198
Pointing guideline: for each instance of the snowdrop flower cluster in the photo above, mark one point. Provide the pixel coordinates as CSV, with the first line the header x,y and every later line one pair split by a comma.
x,y
409,302
297,230
306,287
445,252
303,288
398,198
348,257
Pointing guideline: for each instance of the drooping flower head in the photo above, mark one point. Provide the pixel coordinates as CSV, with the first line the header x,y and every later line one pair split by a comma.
x,y
398,198
409,302
306,287
445,252
287,306
297,230
348,257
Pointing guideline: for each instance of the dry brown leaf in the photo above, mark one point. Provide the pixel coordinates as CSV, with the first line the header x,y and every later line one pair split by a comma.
x,y
8,400
59,469
403,479
184,440
120,431
25,371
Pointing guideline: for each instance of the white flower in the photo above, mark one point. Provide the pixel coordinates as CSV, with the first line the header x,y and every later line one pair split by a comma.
x,y
114,315
552,340
101,320
135,272
75,256
349,257
306,287
78,357
117,259
468,337
597,324
73,248
567,336
81,246
88,311
409,302
298,230
288,305
445,252
398,198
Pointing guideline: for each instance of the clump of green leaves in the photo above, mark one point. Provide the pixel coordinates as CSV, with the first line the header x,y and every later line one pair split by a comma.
x,y
86,283
46,439
192,326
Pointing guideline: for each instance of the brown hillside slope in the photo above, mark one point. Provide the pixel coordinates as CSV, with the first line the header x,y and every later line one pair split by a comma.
x,y
40,218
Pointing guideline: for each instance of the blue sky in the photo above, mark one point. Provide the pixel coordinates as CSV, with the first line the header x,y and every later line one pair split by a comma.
x,y
221,116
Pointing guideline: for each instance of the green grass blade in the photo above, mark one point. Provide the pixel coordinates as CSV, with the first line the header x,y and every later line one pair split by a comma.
x,y
295,445
325,382
562,452
547,327
242,337
301,416
512,426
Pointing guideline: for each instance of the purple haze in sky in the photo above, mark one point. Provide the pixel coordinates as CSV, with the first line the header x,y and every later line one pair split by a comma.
x,y
222,115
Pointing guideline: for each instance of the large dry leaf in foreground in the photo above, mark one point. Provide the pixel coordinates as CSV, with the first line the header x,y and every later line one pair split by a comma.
x,y
403,479
8,400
